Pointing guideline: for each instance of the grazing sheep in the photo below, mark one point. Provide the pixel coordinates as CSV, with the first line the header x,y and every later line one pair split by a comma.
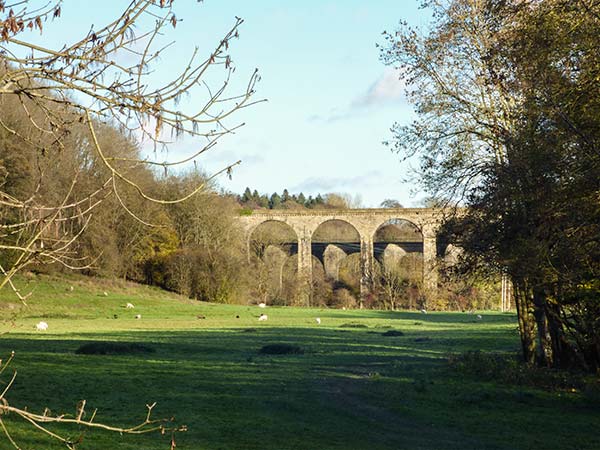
x,y
423,311
479,317
129,306
138,316
262,305
263,317
105,294
318,320
41,326
71,288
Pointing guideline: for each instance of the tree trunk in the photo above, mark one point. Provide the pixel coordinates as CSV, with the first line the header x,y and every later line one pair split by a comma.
x,y
526,325
544,349
564,354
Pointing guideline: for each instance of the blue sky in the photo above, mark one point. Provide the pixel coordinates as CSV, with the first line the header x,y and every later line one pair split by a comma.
x,y
331,102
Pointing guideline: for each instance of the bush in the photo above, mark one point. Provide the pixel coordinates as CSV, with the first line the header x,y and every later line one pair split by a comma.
x,y
342,297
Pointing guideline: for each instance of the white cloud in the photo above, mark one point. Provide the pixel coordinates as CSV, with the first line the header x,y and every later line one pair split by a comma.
x,y
324,185
388,88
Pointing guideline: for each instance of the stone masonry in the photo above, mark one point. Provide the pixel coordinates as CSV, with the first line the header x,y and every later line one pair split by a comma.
x,y
366,222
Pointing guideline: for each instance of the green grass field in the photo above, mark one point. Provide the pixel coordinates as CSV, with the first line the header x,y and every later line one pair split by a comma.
x,y
352,388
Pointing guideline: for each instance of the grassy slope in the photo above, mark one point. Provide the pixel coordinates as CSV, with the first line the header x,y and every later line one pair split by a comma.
x,y
352,389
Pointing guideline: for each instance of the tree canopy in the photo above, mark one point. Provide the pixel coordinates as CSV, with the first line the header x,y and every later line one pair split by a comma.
x,y
508,124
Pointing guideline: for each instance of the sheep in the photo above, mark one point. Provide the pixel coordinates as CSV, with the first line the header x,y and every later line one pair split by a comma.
x,y
263,317
71,288
318,319
138,316
423,311
262,305
129,306
105,294
41,326
479,317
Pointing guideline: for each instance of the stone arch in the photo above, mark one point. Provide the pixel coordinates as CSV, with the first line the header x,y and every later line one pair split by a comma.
x,y
272,233
398,229
343,232
271,245
399,247
340,233
332,241
402,233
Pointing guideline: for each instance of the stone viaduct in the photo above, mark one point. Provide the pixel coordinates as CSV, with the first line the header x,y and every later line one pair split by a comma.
x,y
366,222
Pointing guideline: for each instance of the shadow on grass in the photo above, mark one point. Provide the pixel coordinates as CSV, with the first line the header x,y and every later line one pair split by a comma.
x,y
437,317
355,389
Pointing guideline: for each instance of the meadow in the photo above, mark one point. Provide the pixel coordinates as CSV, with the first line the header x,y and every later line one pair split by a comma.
x,y
363,379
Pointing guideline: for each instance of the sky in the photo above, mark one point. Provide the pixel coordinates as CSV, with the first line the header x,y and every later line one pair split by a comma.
x,y
330,101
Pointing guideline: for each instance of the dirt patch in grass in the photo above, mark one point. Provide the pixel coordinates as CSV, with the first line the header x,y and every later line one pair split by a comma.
x,y
281,349
393,333
113,348
353,325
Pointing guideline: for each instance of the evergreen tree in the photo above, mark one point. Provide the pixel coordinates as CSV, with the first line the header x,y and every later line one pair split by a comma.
x,y
246,196
275,201
263,201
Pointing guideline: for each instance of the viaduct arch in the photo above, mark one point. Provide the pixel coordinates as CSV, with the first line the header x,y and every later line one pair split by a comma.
x,y
366,222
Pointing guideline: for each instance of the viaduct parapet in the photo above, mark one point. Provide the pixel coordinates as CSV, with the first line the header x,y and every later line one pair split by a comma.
x,y
366,222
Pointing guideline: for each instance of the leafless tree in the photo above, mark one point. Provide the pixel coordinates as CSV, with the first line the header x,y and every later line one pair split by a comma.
x,y
61,100
81,87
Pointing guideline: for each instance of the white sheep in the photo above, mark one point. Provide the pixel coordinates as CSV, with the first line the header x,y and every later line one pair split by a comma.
x,y
138,316
262,305
479,317
423,311
105,294
318,320
263,317
41,326
129,306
